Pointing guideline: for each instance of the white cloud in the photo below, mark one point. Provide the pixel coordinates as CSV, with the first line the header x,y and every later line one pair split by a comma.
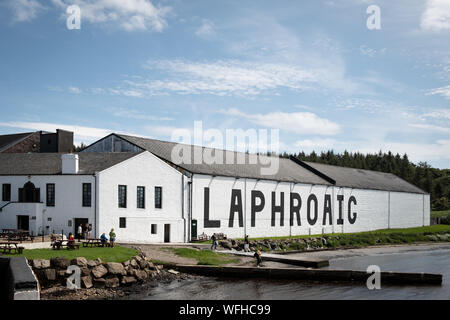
x,y
134,114
436,16
128,14
430,127
443,91
25,10
297,122
439,114
75,90
206,29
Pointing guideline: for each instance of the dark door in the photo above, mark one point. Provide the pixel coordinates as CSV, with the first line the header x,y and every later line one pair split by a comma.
x,y
167,233
194,229
83,222
23,223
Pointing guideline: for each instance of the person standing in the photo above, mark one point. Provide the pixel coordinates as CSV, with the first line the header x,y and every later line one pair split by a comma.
x,y
112,238
80,232
213,242
89,233
258,257
246,244
86,230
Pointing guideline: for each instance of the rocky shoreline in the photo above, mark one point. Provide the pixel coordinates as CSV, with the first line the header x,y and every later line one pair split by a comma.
x,y
98,279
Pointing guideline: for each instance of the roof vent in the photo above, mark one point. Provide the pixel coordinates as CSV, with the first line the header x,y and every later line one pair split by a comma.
x,y
69,163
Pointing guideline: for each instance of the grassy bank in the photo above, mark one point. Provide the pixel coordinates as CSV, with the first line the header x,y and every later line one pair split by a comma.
x,y
116,254
440,214
204,257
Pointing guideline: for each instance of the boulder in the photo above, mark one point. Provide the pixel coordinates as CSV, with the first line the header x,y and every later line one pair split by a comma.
x,y
40,264
86,282
92,263
134,263
150,265
173,271
141,275
99,271
99,261
80,261
115,268
143,264
128,280
59,262
112,282
48,274
85,271
225,244
126,263
99,283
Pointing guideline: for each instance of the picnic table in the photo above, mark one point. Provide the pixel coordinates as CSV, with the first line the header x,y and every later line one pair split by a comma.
x,y
94,243
16,235
7,247
58,244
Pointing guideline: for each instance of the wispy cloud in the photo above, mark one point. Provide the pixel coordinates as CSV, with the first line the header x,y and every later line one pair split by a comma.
x,y
297,122
436,16
443,91
134,114
25,10
206,29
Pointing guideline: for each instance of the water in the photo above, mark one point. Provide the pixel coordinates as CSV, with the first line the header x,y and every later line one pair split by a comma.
x,y
431,261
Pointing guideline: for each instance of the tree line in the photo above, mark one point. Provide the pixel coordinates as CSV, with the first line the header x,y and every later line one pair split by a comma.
x,y
432,180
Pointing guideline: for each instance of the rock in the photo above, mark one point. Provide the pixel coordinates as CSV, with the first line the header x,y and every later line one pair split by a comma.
x,y
141,275
226,244
80,261
85,271
112,282
150,265
99,283
48,274
99,261
61,273
134,263
159,267
99,271
115,268
126,263
86,282
173,271
41,264
143,264
59,262
92,263
138,258
127,280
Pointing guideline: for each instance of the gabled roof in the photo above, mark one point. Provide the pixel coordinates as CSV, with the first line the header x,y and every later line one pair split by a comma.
x,y
288,171
364,179
9,140
50,163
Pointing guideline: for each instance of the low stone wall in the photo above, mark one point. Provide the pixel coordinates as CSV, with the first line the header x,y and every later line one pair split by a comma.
x,y
17,281
96,273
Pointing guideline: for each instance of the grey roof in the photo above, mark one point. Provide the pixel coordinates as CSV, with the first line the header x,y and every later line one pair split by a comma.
x,y
8,140
364,179
50,163
250,168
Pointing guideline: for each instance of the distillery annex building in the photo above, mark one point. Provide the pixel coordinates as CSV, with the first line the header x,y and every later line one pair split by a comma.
x,y
133,185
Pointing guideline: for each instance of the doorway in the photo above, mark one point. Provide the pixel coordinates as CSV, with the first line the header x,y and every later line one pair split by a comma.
x,y
167,233
78,221
23,223
194,229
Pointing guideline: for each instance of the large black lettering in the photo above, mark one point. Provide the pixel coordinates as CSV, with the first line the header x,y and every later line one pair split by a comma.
x,y
351,218
206,222
279,208
257,208
295,209
236,206
327,209
311,198
340,199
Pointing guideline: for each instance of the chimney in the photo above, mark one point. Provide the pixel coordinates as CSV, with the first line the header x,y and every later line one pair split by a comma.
x,y
69,163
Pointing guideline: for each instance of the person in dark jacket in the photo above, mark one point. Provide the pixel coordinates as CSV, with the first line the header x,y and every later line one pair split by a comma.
x,y
213,242
258,257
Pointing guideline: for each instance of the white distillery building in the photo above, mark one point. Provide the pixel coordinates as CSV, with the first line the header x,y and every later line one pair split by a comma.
x,y
132,185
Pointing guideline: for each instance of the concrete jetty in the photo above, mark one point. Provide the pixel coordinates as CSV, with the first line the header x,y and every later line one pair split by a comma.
x,y
308,262
404,278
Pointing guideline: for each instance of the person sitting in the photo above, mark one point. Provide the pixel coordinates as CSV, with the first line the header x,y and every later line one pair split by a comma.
x,y
71,242
103,239
53,241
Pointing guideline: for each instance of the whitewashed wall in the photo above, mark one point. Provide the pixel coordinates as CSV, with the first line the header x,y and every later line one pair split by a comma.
x,y
68,203
149,171
374,209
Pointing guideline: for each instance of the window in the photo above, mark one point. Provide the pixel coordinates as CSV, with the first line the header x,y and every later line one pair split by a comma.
x,y
141,197
87,194
158,197
50,194
122,222
6,192
122,196
154,228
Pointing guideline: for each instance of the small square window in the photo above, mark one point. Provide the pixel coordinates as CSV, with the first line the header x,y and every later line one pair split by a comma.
x,y
122,222
154,229
69,223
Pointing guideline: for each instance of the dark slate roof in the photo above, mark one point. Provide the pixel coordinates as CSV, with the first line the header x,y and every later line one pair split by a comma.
x,y
288,170
50,163
8,140
364,179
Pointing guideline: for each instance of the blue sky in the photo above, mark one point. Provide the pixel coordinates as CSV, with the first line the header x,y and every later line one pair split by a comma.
x,y
311,69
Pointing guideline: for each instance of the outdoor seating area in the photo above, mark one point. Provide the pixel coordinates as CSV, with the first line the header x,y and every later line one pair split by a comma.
x,y
94,243
16,235
11,247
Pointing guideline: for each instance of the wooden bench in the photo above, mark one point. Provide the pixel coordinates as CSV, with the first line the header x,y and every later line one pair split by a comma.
x,y
8,247
95,243
65,244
